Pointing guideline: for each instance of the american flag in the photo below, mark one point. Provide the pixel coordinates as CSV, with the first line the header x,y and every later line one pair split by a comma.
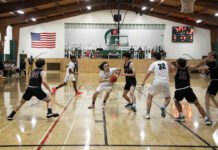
x,y
43,40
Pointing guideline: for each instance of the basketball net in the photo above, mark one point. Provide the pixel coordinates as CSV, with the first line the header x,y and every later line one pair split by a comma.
x,y
187,6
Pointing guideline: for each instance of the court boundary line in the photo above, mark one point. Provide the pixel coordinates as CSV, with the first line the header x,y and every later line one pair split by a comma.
x,y
105,128
53,126
113,145
195,134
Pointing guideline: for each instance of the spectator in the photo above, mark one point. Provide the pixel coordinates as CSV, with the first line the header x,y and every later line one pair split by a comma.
x,y
30,61
23,67
140,53
1,69
131,51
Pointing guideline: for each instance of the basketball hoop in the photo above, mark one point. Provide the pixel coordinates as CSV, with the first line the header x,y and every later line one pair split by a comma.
x,y
187,6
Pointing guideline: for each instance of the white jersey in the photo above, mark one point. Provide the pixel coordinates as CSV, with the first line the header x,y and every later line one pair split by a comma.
x,y
106,75
70,66
160,70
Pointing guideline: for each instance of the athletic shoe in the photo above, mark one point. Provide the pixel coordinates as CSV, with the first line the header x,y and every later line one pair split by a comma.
x,y
78,93
163,113
10,117
180,119
54,90
147,116
49,115
103,105
128,105
208,122
133,108
91,106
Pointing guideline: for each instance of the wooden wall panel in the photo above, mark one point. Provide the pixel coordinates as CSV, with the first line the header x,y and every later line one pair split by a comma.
x,y
91,65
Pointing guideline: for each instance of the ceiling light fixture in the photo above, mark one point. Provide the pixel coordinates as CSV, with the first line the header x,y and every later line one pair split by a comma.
x,y
152,0
20,12
198,21
33,19
89,7
216,14
144,8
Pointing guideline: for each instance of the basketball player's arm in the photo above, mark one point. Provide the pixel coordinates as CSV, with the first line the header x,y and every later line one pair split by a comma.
x,y
196,66
117,72
101,79
44,81
146,77
171,66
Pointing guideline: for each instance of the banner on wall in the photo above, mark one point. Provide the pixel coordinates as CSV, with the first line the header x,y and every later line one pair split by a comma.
x,y
43,40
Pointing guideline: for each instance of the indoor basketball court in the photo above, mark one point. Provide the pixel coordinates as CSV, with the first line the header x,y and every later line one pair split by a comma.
x,y
76,37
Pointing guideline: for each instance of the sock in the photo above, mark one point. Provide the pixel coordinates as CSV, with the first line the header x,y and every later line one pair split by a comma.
x,y
148,112
164,106
93,103
206,118
181,114
133,104
12,114
49,111
104,101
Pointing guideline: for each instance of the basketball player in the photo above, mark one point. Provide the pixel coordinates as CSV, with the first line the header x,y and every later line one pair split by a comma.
x,y
129,73
38,77
106,84
69,75
183,89
160,83
212,66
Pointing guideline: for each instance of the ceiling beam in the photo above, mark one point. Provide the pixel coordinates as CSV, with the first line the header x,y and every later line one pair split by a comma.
x,y
107,7
8,7
51,12
166,9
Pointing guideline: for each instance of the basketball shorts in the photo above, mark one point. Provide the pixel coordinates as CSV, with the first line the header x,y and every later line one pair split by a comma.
x,y
212,88
37,92
129,84
69,76
162,88
106,88
187,93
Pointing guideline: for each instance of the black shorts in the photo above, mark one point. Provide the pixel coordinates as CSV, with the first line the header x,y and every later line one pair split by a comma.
x,y
129,84
212,88
188,94
37,92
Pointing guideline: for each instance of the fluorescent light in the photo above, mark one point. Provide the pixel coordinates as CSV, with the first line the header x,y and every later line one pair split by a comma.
x,y
89,7
198,21
33,19
20,12
144,8
216,14
152,0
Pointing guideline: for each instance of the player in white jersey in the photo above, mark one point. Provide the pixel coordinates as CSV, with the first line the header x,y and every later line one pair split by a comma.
x,y
160,83
106,84
69,75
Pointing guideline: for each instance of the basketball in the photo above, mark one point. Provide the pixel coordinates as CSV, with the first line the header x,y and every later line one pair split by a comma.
x,y
113,78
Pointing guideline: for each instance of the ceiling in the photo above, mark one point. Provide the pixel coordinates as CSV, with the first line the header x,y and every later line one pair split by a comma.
x,y
49,10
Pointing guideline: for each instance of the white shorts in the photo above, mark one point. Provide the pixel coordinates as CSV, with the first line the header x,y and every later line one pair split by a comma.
x,y
68,77
106,88
162,88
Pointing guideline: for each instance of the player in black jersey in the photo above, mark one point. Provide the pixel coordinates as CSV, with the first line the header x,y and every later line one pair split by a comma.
x,y
129,73
183,89
212,66
37,77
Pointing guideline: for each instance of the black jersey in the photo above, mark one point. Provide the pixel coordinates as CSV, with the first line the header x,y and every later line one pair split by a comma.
x,y
213,68
35,78
182,78
127,70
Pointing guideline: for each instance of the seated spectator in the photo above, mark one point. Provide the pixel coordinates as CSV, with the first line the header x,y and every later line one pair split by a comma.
x,y
131,51
1,69
97,55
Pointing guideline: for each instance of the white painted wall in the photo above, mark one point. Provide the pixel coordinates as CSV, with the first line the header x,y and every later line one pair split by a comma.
x,y
8,37
201,45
